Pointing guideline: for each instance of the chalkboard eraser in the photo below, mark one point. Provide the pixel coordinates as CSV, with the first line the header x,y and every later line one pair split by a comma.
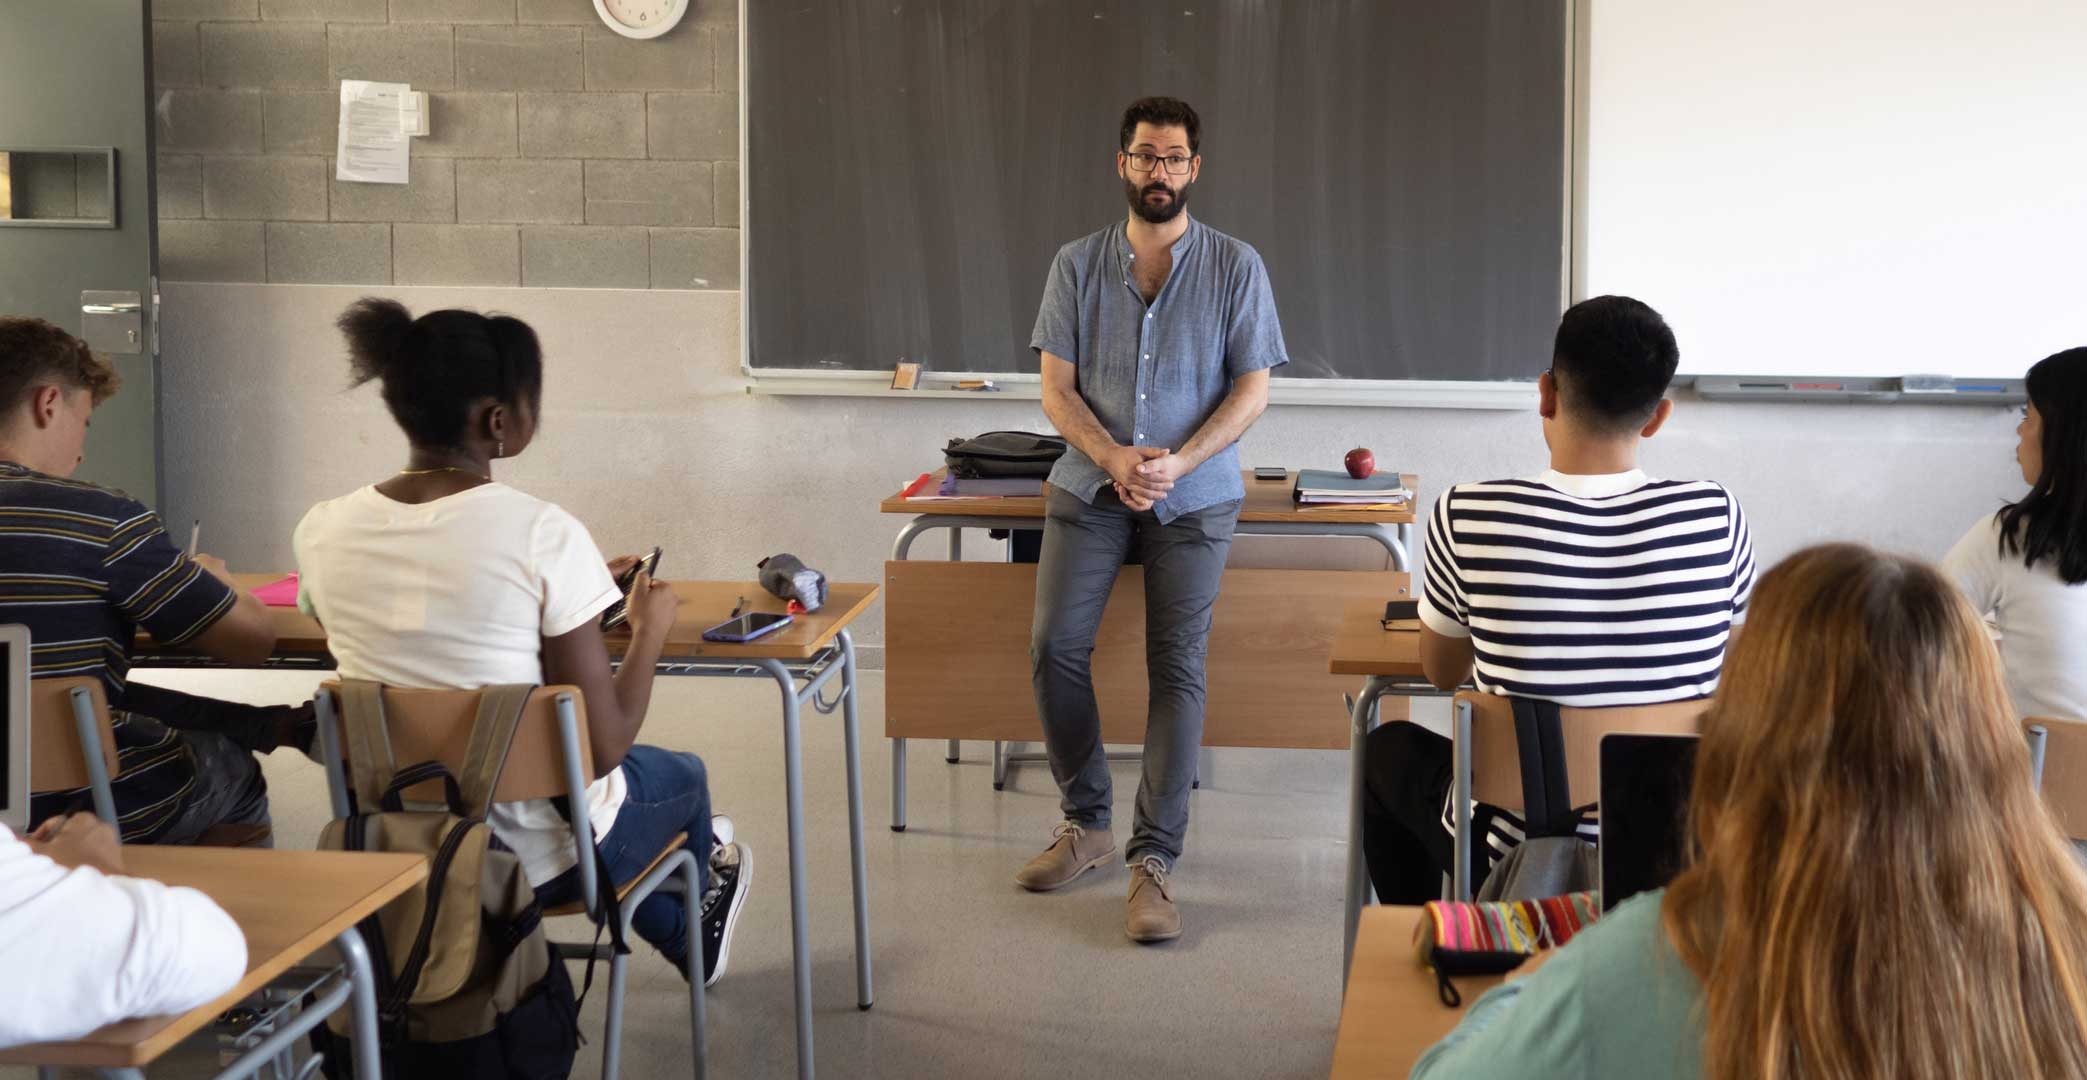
x,y
1927,384
905,376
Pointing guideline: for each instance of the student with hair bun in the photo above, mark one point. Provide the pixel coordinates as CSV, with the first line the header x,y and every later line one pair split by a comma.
x,y
440,577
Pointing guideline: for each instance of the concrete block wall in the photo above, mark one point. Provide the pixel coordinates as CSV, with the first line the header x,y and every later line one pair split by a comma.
x,y
562,154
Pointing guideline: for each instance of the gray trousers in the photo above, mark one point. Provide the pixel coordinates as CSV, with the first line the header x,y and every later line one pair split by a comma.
x,y
1083,549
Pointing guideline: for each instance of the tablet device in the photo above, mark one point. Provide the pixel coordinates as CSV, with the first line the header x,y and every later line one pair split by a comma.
x,y
14,747
1645,783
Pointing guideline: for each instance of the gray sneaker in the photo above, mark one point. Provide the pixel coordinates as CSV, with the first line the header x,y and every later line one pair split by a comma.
x,y
1074,850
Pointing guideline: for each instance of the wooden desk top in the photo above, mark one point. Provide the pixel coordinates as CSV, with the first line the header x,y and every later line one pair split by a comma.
x,y
1361,646
704,604
290,904
1266,500
1392,1014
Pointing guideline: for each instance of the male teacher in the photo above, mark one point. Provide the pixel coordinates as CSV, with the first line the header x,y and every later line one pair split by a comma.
x,y
1157,334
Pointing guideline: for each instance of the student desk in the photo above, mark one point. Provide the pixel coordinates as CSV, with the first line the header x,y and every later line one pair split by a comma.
x,y
813,650
1391,661
1392,1014
290,905
957,633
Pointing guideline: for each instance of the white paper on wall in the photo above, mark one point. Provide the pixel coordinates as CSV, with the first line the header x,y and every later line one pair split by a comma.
x,y
373,136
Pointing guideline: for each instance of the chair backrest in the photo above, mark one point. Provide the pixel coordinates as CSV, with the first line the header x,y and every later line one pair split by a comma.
x,y
57,759
1496,758
435,725
2064,772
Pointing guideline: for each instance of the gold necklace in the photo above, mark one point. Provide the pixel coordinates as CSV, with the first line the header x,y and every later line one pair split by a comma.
x,y
443,469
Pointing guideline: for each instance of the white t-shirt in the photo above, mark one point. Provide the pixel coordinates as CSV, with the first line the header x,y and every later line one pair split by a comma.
x,y
459,593
2042,622
79,949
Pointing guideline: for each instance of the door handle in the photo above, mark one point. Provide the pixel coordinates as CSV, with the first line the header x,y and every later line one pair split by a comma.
x,y
111,309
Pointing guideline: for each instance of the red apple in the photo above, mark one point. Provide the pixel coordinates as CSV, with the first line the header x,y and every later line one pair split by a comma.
x,y
1361,463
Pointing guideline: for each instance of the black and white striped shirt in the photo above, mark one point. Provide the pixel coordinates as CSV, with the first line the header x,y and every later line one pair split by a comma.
x,y
1590,590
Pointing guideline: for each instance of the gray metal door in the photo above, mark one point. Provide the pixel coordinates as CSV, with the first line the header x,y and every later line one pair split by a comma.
x,y
77,237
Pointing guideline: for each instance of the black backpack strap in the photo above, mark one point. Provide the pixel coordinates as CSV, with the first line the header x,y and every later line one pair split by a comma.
x,y
1546,801
611,921
394,1003
356,838
492,732
393,798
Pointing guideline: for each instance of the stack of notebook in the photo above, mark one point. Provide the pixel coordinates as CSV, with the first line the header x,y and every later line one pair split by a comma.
x,y
1384,490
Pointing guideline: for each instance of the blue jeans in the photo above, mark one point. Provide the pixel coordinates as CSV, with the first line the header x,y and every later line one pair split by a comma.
x,y
668,792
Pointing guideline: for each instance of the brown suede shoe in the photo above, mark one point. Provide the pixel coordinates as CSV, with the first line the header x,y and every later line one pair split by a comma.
x,y
1074,851
1152,916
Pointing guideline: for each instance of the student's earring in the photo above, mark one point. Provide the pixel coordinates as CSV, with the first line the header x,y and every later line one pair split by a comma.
x,y
500,448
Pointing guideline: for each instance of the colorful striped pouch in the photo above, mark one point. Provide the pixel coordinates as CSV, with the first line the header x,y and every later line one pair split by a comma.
x,y
1472,938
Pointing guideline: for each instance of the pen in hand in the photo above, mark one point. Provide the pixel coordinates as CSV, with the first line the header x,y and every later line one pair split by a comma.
x,y
738,608
195,535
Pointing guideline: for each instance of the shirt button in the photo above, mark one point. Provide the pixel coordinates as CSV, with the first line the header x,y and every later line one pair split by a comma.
x,y
1141,435
1141,397
1148,314
1148,356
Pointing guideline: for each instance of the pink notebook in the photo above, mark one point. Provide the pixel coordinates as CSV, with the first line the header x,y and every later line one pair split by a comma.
x,y
279,593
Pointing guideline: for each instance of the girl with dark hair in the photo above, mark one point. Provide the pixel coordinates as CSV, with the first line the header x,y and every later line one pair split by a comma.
x,y
439,577
2026,564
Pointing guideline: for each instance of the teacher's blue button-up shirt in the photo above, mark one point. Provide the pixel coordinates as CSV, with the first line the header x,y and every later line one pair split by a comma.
x,y
1153,374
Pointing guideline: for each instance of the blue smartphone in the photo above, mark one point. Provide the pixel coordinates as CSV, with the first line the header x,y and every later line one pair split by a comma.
x,y
747,627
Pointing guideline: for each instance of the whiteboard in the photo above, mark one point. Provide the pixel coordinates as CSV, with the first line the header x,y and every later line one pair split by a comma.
x,y
1842,188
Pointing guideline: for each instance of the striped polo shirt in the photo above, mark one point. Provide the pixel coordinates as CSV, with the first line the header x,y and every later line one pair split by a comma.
x,y
1590,590
83,567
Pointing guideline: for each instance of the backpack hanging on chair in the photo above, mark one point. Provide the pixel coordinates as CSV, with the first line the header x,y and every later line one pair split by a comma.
x,y
1551,860
467,983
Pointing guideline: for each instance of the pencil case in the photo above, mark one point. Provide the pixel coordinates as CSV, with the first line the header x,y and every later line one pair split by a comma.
x,y
1457,937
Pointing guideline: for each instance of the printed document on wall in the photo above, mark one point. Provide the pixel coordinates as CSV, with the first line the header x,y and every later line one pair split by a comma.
x,y
373,132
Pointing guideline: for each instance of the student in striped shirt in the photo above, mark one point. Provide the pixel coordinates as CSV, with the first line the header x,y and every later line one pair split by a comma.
x,y
86,567
1589,584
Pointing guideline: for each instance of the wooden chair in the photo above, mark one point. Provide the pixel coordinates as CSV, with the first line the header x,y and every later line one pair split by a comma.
x,y
2058,768
549,758
72,746
1488,761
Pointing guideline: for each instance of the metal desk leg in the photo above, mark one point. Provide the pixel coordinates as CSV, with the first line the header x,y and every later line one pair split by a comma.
x,y
362,982
863,996
956,750
898,785
1360,722
793,781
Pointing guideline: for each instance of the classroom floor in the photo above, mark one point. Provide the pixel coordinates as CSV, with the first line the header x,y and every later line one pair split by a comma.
x,y
974,977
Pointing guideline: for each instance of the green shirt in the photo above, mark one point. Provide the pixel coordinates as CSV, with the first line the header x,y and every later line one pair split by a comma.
x,y
1617,1001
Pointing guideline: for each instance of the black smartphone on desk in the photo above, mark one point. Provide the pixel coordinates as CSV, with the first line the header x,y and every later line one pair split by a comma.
x,y
618,612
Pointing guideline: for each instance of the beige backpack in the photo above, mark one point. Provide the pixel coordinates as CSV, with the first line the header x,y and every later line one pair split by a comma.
x,y
468,985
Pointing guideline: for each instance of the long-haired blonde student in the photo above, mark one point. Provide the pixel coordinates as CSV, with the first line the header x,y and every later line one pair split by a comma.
x,y
1875,889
